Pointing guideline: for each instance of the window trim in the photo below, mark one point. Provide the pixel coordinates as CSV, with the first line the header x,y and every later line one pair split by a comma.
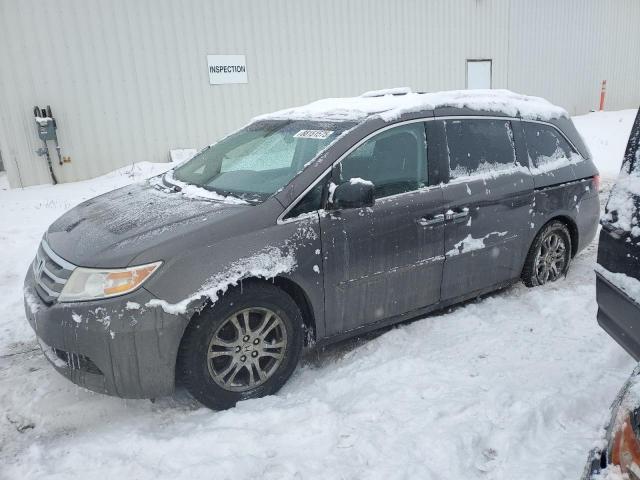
x,y
280,220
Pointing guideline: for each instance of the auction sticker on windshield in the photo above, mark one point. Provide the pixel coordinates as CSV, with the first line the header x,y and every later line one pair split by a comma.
x,y
318,134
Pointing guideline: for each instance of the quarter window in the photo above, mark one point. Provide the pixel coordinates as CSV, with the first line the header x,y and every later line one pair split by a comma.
x,y
394,161
311,202
546,146
479,146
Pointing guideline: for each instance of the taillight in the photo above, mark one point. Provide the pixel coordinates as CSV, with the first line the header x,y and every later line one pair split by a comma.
x,y
625,449
595,182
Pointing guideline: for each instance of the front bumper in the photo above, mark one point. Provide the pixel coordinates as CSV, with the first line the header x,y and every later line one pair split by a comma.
x,y
109,346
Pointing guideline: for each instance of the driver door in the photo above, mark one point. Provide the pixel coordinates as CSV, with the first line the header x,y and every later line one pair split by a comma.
x,y
385,260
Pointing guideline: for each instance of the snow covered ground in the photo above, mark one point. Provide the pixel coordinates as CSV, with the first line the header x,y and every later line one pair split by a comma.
x,y
516,385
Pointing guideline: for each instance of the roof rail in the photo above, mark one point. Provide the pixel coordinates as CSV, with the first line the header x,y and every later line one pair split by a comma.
x,y
387,91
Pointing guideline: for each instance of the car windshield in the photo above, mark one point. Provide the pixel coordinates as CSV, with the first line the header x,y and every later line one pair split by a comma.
x,y
260,159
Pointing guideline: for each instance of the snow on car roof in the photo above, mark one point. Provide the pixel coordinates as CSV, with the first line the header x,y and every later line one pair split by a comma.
x,y
390,104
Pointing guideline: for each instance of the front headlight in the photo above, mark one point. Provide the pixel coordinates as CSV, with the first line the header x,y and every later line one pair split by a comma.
x,y
92,283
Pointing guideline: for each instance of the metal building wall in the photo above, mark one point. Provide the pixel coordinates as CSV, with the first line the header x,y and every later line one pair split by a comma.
x,y
127,79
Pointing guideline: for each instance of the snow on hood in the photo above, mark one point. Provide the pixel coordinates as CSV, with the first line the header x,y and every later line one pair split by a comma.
x,y
109,230
392,103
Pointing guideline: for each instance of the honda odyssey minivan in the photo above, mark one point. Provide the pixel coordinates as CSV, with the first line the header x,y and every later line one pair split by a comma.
x,y
305,227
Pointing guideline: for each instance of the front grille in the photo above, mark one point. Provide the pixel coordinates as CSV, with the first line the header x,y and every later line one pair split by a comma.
x,y
51,272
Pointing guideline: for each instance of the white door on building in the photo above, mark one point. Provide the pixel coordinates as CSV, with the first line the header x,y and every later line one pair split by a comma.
x,y
478,74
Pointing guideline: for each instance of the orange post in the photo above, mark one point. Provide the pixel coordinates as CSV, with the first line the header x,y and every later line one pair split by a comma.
x,y
603,93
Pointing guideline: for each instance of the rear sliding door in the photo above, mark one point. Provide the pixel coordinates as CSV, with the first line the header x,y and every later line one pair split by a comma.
x,y
487,200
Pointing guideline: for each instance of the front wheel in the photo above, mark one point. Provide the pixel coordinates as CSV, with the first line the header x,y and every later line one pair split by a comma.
x,y
247,345
549,256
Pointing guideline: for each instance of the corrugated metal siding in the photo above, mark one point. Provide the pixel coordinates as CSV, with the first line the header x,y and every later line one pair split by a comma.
x,y
127,80
563,50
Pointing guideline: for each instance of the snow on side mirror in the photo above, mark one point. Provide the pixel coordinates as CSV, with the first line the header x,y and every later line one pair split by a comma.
x,y
356,193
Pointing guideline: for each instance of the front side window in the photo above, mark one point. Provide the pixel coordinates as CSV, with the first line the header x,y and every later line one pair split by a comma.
x,y
260,159
478,146
395,161
547,147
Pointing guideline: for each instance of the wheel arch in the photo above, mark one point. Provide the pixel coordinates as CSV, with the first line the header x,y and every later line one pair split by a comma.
x,y
300,297
571,226
290,287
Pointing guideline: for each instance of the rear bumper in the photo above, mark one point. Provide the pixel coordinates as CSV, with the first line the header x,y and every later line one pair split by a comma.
x,y
109,346
587,220
618,315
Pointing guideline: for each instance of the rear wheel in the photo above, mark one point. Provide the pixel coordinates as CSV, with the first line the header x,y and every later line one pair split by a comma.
x,y
549,256
247,345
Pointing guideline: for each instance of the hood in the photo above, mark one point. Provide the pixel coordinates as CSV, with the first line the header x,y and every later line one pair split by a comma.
x,y
112,229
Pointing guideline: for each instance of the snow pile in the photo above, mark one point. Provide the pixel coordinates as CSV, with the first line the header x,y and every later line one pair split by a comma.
x,y
622,210
4,181
266,264
179,155
390,106
622,203
606,135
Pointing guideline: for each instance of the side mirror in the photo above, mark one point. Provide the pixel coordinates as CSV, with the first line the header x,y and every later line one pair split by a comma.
x,y
355,193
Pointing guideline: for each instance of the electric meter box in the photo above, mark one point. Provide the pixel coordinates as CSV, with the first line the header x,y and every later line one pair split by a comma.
x,y
46,128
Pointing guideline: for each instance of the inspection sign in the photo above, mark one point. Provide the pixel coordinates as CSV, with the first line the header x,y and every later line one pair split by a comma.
x,y
227,69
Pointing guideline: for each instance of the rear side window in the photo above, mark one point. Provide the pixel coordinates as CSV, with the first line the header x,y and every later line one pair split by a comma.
x,y
395,161
479,146
547,147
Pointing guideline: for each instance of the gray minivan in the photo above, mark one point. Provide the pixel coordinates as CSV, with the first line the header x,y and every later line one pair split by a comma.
x,y
305,227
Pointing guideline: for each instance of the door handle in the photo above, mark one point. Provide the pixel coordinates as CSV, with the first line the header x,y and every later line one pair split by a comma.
x,y
459,215
430,222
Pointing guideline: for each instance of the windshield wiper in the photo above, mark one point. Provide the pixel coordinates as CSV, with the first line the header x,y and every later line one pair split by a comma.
x,y
169,185
228,193
223,193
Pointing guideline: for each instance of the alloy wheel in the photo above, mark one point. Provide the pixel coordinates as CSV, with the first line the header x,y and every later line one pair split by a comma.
x,y
551,258
247,349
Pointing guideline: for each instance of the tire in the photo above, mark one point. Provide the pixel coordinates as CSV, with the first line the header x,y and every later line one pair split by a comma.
x,y
547,260
221,361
